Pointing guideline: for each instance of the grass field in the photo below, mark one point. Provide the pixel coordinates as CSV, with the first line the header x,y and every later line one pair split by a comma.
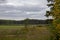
x,y
19,32
11,26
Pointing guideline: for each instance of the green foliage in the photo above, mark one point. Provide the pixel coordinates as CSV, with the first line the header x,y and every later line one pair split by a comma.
x,y
49,5
56,13
50,0
47,13
26,21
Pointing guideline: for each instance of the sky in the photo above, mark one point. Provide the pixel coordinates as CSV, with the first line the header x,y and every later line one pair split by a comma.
x,y
22,9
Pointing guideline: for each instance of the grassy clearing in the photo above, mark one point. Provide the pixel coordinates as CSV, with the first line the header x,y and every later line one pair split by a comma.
x,y
11,26
21,33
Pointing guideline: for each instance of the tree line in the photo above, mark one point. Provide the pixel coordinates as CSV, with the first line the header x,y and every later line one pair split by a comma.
x,y
26,21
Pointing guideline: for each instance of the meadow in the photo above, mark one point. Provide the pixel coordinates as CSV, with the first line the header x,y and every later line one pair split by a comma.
x,y
19,32
11,26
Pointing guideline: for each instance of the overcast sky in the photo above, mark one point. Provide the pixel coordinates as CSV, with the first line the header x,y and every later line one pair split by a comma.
x,y
21,9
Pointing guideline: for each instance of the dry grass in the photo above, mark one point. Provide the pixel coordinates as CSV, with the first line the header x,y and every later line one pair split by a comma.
x,y
31,33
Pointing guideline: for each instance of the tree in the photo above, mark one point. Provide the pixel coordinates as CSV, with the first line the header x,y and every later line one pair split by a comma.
x,y
55,12
26,22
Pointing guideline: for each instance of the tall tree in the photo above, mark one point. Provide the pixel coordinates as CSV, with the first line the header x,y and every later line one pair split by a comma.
x,y
55,11
26,22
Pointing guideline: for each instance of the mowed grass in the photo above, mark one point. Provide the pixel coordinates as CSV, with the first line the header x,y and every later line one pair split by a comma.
x,y
19,32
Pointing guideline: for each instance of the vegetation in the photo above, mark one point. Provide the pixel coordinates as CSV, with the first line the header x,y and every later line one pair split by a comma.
x,y
11,26
21,33
55,12
24,30
25,22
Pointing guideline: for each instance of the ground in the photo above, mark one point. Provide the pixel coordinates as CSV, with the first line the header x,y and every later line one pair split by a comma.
x,y
22,33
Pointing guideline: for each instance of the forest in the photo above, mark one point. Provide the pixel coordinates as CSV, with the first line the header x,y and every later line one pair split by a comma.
x,y
29,21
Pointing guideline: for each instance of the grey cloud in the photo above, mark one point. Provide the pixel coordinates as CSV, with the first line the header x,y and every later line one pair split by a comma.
x,y
23,8
20,12
2,1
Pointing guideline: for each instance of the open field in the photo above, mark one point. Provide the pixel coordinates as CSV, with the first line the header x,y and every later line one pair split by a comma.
x,y
19,26
21,33
11,26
